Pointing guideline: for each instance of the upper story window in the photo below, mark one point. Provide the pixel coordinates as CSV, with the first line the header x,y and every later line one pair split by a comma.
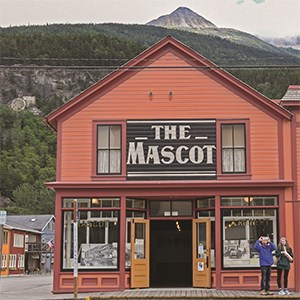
x,y
109,149
233,148
18,240
5,237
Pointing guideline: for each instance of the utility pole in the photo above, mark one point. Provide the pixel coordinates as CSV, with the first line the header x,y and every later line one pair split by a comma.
x,y
75,246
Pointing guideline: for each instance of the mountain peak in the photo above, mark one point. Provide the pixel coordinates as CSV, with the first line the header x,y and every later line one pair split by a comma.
x,y
184,18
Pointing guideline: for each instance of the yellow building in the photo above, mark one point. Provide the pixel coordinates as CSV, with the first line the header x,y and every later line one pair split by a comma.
x,y
4,270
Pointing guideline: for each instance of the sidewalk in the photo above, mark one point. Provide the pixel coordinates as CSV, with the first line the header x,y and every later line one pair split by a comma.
x,y
39,287
185,293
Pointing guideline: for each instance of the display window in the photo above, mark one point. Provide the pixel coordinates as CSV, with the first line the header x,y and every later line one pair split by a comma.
x,y
241,227
98,233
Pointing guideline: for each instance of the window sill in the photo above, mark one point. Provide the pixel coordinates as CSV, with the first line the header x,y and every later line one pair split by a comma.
x,y
108,177
234,176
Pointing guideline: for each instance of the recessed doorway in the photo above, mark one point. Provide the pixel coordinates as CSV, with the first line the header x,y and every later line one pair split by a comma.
x,y
170,253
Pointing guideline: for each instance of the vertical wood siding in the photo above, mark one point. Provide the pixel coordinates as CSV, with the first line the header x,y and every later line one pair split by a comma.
x,y
194,95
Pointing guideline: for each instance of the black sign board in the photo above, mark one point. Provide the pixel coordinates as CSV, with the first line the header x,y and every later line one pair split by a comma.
x,y
171,149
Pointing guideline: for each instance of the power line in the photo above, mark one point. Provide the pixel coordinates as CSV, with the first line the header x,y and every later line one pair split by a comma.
x,y
133,68
133,59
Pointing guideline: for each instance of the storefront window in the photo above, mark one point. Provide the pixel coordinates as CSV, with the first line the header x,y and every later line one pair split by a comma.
x,y
241,230
98,233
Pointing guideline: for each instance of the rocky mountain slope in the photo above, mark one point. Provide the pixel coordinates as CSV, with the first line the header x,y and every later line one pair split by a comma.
x,y
182,18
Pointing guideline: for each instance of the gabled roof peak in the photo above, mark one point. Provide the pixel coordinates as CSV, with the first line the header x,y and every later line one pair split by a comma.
x,y
169,43
292,93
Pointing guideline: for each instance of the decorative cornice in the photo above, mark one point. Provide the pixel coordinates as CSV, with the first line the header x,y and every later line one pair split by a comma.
x,y
179,184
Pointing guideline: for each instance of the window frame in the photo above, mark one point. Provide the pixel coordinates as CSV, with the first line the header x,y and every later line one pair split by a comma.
x,y
111,176
233,175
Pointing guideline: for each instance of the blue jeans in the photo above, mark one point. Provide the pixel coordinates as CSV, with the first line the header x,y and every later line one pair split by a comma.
x,y
265,277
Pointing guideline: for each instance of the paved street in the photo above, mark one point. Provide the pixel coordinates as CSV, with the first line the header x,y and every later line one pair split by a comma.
x,y
30,287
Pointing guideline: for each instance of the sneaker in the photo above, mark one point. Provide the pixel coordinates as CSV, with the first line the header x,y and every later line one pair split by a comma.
x,y
281,292
263,292
287,292
270,293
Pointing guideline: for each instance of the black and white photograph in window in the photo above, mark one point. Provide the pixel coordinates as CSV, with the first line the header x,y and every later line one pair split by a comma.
x,y
99,255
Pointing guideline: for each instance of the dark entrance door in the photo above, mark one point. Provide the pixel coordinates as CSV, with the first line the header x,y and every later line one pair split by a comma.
x,y
171,253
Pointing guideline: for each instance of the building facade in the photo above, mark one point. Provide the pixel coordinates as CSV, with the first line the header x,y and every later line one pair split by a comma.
x,y
177,168
28,244
14,260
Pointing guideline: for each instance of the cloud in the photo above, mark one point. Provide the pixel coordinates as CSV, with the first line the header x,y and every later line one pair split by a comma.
x,y
256,1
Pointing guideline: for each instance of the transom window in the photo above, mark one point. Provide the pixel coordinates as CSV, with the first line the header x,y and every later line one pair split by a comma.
x,y
174,208
233,148
108,149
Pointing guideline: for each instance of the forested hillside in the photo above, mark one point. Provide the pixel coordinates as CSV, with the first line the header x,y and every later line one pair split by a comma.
x,y
88,44
27,160
56,62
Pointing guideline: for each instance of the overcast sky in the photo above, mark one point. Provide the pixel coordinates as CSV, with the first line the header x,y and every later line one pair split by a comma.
x,y
274,18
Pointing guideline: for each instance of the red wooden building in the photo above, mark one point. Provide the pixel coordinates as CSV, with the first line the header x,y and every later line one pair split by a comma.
x,y
178,167
15,258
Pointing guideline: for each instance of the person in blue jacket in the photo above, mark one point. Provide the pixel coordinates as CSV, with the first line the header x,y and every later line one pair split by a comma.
x,y
265,247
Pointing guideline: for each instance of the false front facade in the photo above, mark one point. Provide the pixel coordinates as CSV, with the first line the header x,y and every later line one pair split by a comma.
x,y
177,168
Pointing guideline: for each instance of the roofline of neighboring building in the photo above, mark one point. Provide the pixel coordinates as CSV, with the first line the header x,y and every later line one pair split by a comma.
x,y
52,217
138,61
36,216
290,103
6,226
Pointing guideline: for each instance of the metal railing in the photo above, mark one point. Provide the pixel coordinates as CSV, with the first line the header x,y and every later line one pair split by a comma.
x,y
37,247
